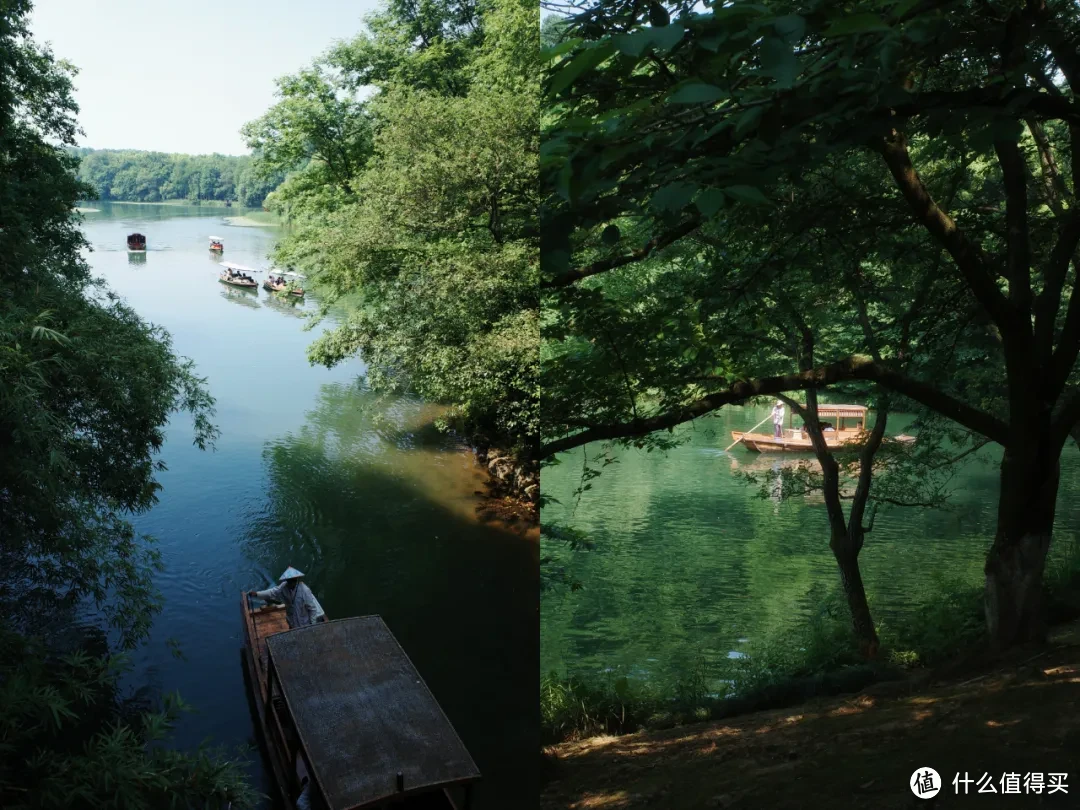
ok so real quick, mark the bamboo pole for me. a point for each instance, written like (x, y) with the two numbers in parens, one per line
(755, 427)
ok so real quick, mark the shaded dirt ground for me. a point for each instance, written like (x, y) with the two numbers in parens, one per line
(1018, 716)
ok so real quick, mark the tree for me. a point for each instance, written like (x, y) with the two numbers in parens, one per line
(136, 176)
(669, 122)
(430, 239)
(86, 388)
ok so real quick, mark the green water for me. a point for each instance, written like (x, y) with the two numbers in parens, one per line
(690, 566)
(361, 493)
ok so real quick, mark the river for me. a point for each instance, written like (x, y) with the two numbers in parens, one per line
(360, 492)
(690, 567)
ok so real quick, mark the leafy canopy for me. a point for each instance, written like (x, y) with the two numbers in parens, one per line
(86, 388)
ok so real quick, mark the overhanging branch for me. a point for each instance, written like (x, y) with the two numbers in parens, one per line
(850, 368)
(604, 265)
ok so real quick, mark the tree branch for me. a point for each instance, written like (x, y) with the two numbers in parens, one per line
(1018, 261)
(604, 265)
(850, 368)
(968, 257)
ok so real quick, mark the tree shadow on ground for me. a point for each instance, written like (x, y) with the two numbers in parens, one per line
(859, 752)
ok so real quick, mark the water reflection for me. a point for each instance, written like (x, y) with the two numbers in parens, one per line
(381, 531)
(136, 258)
(238, 295)
(290, 305)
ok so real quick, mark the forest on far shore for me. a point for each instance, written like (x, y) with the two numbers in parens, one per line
(136, 176)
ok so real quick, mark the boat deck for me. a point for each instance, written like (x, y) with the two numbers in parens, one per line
(793, 442)
(265, 622)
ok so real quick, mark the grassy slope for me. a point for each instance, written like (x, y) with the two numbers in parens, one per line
(857, 752)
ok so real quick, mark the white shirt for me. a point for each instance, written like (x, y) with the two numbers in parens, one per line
(301, 606)
(778, 414)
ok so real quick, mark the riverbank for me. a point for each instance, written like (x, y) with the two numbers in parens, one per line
(255, 219)
(196, 203)
(1016, 716)
(513, 485)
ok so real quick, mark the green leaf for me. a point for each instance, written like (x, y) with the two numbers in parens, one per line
(583, 62)
(658, 15)
(611, 235)
(902, 8)
(856, 24)
(547, 54)
(666, 38)
(709, 201)
(778, 61)
(674, 196)
(891, 52)
(634, 43)
(696, 93)
(747, 194)
(791, 27)
(748, 121)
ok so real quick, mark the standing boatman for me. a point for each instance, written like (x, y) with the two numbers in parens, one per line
(778, 419)
(301, 607)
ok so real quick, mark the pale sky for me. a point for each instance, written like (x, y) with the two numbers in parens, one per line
(184, 77)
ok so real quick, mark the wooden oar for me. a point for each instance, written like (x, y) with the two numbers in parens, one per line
(755, 427)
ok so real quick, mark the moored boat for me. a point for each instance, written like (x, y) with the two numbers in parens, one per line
(136, 243)
(849, 427)
(346, 718)
(217, 244)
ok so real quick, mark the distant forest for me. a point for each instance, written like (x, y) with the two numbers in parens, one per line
(135, 176)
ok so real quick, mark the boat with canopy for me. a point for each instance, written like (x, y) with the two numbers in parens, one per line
(237, 275)
(348, 722)
(849, 426)
(217, 244)
(281, 281)
(136, 243)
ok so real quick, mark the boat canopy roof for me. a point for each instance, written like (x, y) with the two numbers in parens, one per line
(241, 267)
(842, 410)
(216, 239)
(287, 273)
(364, 715)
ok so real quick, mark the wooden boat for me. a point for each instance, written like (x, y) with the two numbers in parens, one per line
(238, 281)
(217, 244)
(850, 425)
(273, 285)
(238, 276)
(341, 707)
(136, 243)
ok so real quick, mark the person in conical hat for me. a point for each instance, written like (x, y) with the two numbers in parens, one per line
(778, 419)
(301, 606)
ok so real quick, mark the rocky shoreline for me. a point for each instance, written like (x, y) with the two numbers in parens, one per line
(511, 478)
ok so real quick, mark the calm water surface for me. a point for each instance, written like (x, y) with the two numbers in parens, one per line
(358, 491)
(690, 566)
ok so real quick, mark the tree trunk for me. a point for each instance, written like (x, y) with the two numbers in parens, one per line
(1017, 559)
(846, 535)
(846, 551)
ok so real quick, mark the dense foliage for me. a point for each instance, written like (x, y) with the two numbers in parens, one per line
(135, 176)
(787, 196)
(86, 388)
(416, 207)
